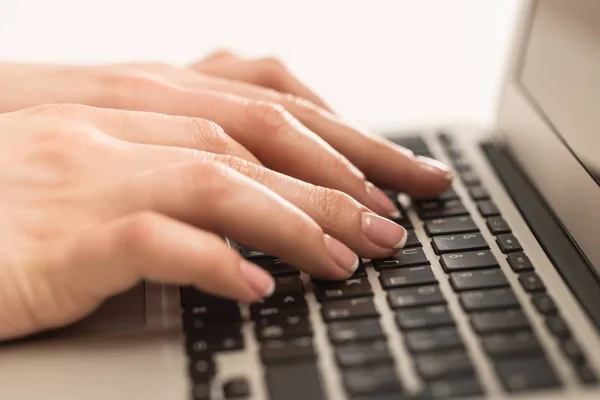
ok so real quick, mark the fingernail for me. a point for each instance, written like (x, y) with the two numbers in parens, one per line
(342, 255)
(435, 166)
(382, 200)
(383, 232)
(260, 281)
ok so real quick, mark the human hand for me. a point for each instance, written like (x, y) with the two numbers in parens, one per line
(91, 206)
(259, 104)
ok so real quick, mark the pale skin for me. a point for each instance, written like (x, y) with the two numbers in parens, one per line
(143, 177)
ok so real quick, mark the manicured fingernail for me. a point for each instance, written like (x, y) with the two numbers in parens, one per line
(342, 255)
(382, 200)
(383, 232)
(436, 167)
(260, 281)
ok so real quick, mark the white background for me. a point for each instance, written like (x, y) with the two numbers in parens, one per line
(393, 63)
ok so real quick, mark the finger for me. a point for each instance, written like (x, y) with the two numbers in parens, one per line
(114, 257)
(166, 130)
(277, 139)
(216, 198)
(337, 213)
(384, 163)
(216, 58)
(268, 72)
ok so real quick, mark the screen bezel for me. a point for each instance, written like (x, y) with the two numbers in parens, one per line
(570, 191)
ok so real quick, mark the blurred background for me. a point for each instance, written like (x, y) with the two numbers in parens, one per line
(382, 64)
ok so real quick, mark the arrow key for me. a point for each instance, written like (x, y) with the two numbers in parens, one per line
(279, 305)
(353, 287)
(282, 327)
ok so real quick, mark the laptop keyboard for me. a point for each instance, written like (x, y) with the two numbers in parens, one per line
(359, 344)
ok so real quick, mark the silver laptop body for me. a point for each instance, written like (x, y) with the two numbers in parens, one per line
(548, 128)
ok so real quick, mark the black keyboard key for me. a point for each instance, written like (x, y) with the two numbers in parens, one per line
(412, 239)
(449, 194)
(202, 369)
(402, 277)
(286, 304)
(469, 178)
(479, 279)
(287, 351)
(295, 382)
(440, 209)
(362, 307)
(275, 266)
(360, 272)
(192, 297)
(415, 297)
(478, 193)
(362, 354)
(487, 208)
(252, 254)
(531, 282)
(497, 225)
(520, 375)
(558, 327)
(470, 260)
(412, 143)
(508, 243)
(288, 284)
(236, 388)
(403, 221)
(510, 345)
(462, 242)
(403, 258)
(443, 365)
(485, 300)
(519, 262)
(216, 341)
(544, 304)
(424, 318)
(573, 352)
(448, 226)
(211, 315)
(428, 341)
(282, 327)
(371, 381)
(354, 287)
(461, 165)
(355, 331)
(453, 388)
(499, 321)
(586, 375)
(201, 391)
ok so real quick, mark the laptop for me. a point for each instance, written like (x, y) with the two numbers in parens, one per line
(495, 296)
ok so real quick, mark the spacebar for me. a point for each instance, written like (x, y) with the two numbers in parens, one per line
(295, 382)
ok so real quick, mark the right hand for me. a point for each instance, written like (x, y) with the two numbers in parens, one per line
(89, 209)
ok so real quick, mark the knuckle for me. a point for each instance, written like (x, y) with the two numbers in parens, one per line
(211, 181)
(122, 89)
(307, 107)
(272, 66)
(207, 135)
(138, 230)
(332, 204)
(272, 72)
(272, 117)
(246, 168)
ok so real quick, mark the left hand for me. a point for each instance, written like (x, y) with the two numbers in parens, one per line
(259, 103)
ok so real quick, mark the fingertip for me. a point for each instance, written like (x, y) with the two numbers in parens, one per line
(344, 258)
(260, 282)
(435, 167)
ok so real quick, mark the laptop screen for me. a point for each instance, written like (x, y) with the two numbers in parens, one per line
(561, 74)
